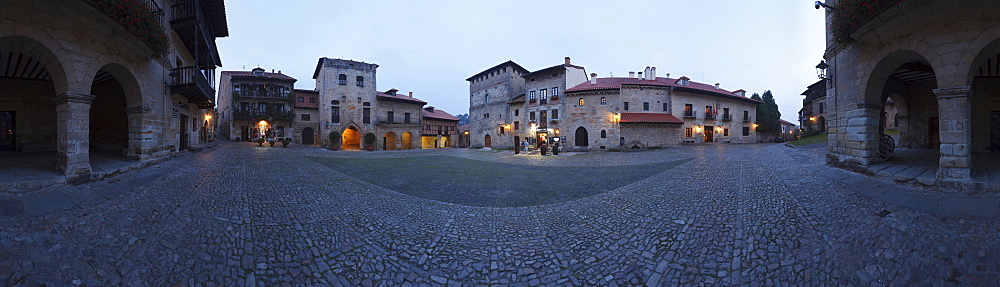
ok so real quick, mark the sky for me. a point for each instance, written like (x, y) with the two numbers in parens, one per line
(431, 47)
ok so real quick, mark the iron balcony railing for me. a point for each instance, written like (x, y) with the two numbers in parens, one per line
(279, 95)
(273, 114)
(690, 114)
(709, 116)
(747, 119)
(727, 117)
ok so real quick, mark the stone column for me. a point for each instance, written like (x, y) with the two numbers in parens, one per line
(140, 142)
(862, 132)
(954, 122)
(73, 133)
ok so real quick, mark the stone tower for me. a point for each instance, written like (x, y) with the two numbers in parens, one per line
(489, 94)
(347, 99)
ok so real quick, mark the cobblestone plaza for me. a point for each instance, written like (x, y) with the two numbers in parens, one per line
(750, 215)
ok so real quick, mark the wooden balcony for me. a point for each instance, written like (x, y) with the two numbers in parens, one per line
(192, 84)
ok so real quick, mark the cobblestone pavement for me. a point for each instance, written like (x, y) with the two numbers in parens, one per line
(756, 215)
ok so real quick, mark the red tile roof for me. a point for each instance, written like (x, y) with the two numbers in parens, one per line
(617, 82)
(431, 112)
(658, 118)
(277, 76)
(399, 97)
(464, 127)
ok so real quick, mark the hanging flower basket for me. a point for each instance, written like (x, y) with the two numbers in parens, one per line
(141, 19)
(852, 14)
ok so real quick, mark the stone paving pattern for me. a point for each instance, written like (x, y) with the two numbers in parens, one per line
(753, 215)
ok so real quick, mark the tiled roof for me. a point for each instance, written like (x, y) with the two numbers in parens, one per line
(659, 118)
(277, 76)
(504, 64)
(617, 82)
(437, 114)
(463, 127)
(398, 97)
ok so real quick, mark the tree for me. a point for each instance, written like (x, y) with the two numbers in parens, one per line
(767, 113)
(463, 119)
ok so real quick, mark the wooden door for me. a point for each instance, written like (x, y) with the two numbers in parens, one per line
(709, 134)
(184, 133)
(307, 136)
(489, 143)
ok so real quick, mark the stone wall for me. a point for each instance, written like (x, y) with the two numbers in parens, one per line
(485, 116)
(719, 126)
(299, 125)
(351, 97)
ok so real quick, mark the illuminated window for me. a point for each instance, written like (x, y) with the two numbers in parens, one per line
(581, 102)
(688, 132)
(604, 101)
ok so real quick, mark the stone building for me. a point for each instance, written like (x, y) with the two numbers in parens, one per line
(255, 104)
(351, 107)
(440, 129)
(646, 111)
(812, 117)
(306, 122)
(937, 61)
(510, 106)
(490, 91)
(77, 83)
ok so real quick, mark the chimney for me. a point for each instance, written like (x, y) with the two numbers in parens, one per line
(648, 72)
(631, 74)
(640, 76)
(567, 61)
(279, 71)
(652, 73)
(668, 75)
(593, 78)
(716, 85)
(411, 94)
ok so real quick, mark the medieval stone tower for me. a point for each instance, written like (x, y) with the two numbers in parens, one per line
(347, 99)
(489, 94)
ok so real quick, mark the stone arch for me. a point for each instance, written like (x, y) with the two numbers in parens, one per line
(580, 138)
(53, 67)
(407, 140)
(109, 122)
(881, 72)
(487, 141)
(389, 141)
(351, 138)
(308, 136)
(984, 99)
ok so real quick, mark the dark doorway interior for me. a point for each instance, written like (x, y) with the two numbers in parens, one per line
(7, 132)
(933, 135)
(307, 136)
(709, 134)
(184, 135)
(995, 131)
(581, 137)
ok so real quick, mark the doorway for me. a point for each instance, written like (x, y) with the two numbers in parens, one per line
(709, 134)
(7, 134)
(307, 136)
(488, 142)
(184, 136)
(933, 135)
(995, 131)
(352, 139)
(581, 138)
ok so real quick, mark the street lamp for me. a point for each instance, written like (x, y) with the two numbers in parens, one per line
(821, 70)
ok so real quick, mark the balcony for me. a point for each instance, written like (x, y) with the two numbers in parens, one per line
(269, 114)
(396, 121)
(269, 95)
(196, 29)
(192, 84)
(690, 114)
(747, 119)
(727, 117)
(709, 116)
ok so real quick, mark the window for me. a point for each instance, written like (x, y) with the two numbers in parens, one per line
(725, 132)
(486, 98)
(517, 112)
(626, 106)
(390, 116)
(361, 81)
(312, 100)
(366, 116)
(688, 132)
(725, 113)
(531, 95)
(406, 118)
(342, 79)
(581, 102)
(531, 115)
(821, 108)
(301, 100)
(335, 114)
(604, 101)
(305, 117)
(517, 126)
(501, 130)
(555, 91)
(543, 97)
(666, 107)
(604, 134)
(645, 106)
(555, 114)
(746, 131)
(746, 116)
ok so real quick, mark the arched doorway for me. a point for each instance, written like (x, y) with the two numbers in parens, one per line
(407, 140)
(909, 81)
(487, 142)
(984, 122)
(581, 138)
(351, 139)
(32, 79)
(389, 141)
(108, 120)
(308, 136)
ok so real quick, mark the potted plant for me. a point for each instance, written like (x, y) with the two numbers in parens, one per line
(270, 142)
(260, 141)
(285, 142)
(370, 141)
(334, 140)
